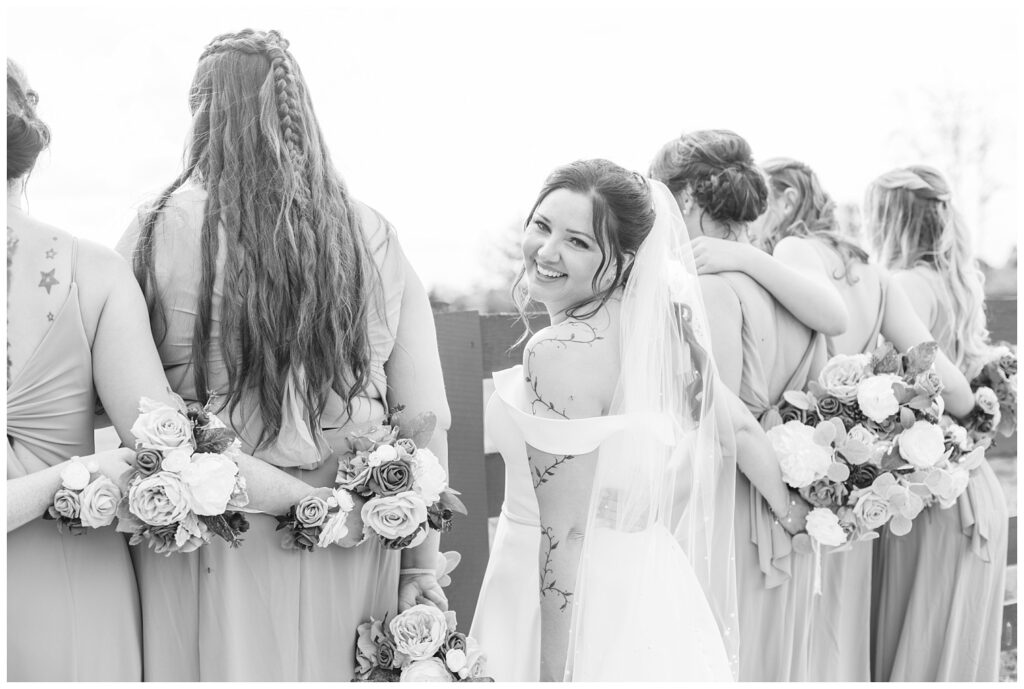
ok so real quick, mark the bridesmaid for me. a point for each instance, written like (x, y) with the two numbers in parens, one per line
(75, 328)
(761, 351)
(939, 588)
(800, 219)
(292, 307)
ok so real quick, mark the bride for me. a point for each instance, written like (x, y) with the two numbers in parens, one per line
(620, 453)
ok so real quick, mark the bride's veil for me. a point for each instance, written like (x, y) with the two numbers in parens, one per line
(669, 479)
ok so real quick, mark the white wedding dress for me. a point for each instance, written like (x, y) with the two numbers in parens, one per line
(667, 632)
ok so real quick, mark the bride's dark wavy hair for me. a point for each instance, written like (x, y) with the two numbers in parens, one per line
(296, 273)
(623, 215)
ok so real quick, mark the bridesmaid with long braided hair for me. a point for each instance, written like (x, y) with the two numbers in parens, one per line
(290, 308)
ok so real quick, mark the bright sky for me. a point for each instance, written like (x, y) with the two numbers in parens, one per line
(447, 116)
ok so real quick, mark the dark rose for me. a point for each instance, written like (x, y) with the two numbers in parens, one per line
(386, 653)
(824, 493)
(885, 429)
(851, 414)
(456, 641)
(148, 461)
(391, 478)
(862, 475)
(790, 413)
(829, 406)
(238, 522)
(306, 539)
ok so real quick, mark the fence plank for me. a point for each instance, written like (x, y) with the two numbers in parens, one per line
(458, 341)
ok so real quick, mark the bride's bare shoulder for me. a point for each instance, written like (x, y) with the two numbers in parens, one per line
(572, 366)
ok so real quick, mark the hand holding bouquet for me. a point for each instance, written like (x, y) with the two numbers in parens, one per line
(418, 645)
(405, 485)
(184, 480)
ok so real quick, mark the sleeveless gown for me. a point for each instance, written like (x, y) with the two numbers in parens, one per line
(775, 584)
(841, 624)
(260, 612)
(939, 589)
(72, 601)
(507, 621)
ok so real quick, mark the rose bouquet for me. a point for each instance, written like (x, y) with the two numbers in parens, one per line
(81, 503)
(995, 409)
(184, 480)
(418, 645)
(317, 521)
(405, 485)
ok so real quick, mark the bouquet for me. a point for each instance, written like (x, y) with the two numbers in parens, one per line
(80, 503)
(405, 485)
(184, 480)
(317, 521)
(418, 645)
(995, 396)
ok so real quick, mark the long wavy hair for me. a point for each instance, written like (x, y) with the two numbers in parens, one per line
(623, 215)
(911, 221)
(296, 273)
(716, 166)
(813, 216)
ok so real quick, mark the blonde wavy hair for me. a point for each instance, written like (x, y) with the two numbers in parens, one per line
(813, 216)
(911, 221)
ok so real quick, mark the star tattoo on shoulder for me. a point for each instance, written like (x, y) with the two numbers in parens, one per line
(48, 279)
(49, 316)
(50, 253)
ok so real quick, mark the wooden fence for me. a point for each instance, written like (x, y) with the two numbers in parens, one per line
(472, 347)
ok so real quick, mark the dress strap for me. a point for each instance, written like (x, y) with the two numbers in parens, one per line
(74, 258)
(799, 376)
(876, 329)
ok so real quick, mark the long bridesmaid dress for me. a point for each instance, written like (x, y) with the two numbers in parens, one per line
(841, 624)
(939, 589)
(775, 583)
(72, 601)
(260, 612)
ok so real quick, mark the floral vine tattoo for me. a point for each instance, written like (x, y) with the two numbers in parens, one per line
(587, 335)
(547, 571)
(541, 477)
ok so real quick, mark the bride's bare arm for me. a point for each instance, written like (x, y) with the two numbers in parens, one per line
(566, 369)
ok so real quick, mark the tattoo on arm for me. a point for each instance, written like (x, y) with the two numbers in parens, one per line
(541, 477)
(548, 572)
(585, 335)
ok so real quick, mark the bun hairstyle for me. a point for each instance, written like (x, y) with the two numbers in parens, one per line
(27, 135)
(716, 166)
(911, 221)
(623, 213)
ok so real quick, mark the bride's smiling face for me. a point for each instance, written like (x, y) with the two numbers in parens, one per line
(560, 252)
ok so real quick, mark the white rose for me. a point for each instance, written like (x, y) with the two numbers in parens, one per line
(876, 396)
(419, 631)
(823, 526)
(176, 460)
(843, 373)
(428, 476)
(382, 455)
(162, 428)
(923, 444)
(210, 479)
(99, 503)
(958, 435)
(74, 475)
(395, 516)
(987, 401)
(427, 670)
(802, 460)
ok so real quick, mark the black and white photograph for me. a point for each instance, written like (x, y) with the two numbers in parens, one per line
(494, 341)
